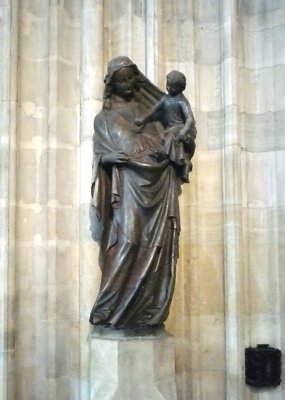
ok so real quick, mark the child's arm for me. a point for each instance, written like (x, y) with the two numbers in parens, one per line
(148, 116)
(189, 120)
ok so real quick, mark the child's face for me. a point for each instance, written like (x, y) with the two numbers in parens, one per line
(173, 88)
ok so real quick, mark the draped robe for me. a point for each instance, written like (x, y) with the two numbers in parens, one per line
(137, 212)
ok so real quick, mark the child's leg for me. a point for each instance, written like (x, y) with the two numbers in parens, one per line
(187, 168)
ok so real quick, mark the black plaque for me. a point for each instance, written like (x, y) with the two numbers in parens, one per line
(262, 366)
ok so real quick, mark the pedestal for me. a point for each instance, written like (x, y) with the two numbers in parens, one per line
(132, 368)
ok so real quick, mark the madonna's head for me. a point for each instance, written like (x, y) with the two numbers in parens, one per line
(121, 79)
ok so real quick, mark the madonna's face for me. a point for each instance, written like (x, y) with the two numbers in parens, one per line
(124, 83)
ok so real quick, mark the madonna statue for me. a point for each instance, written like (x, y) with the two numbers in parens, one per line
(135, 189)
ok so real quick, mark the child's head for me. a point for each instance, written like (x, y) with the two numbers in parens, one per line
(175, 82)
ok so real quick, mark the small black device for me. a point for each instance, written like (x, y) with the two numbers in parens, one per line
(262, 366)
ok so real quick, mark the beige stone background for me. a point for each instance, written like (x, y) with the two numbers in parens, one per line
(230, 276)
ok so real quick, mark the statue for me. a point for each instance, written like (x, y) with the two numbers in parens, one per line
(141, 159)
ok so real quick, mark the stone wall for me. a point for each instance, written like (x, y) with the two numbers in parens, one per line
(230, 275)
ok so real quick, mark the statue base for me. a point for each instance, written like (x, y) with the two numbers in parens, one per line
(136, 367)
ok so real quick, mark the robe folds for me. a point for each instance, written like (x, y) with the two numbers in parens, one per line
(137, 217)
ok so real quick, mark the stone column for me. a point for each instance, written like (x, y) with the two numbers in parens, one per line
(262, 119)
(232, 199)
(47, 263)
(5, 14)
(8, 123)
(31, 306)
(92, 76)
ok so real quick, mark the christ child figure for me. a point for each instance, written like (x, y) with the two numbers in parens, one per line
(174, 112)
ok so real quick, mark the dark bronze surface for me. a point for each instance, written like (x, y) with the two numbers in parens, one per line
(135, 189)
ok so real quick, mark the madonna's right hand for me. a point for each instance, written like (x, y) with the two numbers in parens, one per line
(115, 158)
